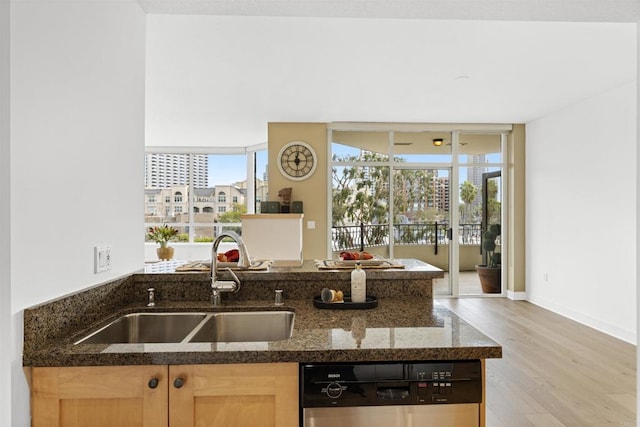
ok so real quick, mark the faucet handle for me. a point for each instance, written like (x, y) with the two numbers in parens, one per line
(152, 297)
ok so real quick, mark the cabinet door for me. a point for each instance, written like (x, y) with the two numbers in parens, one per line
(234, 395)
(100, 396)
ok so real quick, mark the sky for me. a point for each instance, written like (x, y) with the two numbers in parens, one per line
(225, 169)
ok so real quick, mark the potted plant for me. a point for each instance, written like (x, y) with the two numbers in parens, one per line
(163, 235)
(491, 273)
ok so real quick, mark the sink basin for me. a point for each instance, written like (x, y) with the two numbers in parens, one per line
(146, 328)
(246, 326)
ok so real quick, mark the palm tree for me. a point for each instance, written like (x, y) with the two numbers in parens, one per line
(468, 193)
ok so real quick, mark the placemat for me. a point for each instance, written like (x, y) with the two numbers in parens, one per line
(329, 264)
(206, 266)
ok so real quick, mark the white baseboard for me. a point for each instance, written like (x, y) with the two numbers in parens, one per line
(516, 296)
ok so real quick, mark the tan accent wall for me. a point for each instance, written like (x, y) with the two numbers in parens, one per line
(312, 192)
(516, 210)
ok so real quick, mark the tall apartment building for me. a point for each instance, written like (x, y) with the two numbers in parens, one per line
(440, 192)
(164, 170)
(474, 173)
(474, 176)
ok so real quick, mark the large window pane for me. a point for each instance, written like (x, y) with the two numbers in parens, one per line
(360, 217)
(199, 194)
(477, 213)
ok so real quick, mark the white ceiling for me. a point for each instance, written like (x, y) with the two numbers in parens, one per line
(506, 10)
(218, 71)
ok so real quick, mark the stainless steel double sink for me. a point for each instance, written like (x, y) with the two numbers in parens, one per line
(178, 327)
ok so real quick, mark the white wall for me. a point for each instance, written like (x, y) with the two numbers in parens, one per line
(77, 139)
(5, 225)
(581, 212)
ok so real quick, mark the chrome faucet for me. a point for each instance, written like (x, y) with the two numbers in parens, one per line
(219, 286)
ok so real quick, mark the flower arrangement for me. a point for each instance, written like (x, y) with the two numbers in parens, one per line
(162, 234)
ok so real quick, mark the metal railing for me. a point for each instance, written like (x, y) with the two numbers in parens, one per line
(359, 236)
(356, 236)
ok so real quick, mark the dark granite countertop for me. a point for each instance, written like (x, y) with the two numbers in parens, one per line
(398, 329)
(404, 326)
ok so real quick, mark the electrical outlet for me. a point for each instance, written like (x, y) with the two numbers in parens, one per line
(102, 258)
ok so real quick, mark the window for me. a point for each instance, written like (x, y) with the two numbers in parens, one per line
(418, 193)
(189, 190)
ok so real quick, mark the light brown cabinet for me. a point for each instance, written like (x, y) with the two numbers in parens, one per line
(99, 396)
(160, 395)
(235, 395)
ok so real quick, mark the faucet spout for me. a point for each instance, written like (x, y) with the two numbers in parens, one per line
(218, 286)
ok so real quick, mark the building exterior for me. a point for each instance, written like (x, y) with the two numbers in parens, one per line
(171, 204)
(474, 176)
(163, 170)
(440, 192)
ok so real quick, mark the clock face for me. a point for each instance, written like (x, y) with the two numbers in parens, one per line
(297, 160)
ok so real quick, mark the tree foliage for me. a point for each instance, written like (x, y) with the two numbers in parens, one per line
(361, 192)
(468, 193)
(493, 204)
(234, 214)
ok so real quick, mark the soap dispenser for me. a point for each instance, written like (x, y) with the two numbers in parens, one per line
(358, 284)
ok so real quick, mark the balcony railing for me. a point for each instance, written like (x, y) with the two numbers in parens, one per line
(356, 236)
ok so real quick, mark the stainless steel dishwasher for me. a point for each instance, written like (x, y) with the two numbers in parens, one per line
(393, 394)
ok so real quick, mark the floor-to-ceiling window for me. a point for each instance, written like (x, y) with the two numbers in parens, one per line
(416, 191)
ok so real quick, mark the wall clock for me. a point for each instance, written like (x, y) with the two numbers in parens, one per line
(297, 160)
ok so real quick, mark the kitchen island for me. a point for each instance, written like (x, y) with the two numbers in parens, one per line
(187, 383)
(406, 325)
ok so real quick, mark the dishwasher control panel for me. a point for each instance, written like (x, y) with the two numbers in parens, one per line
(392, 383)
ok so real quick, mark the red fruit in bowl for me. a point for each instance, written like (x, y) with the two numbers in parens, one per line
(232, 255)
(349, 256)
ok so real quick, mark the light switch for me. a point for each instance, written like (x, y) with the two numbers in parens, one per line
(311, 225)
(102, 258)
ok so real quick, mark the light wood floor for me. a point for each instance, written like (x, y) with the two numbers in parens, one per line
(554, 372)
